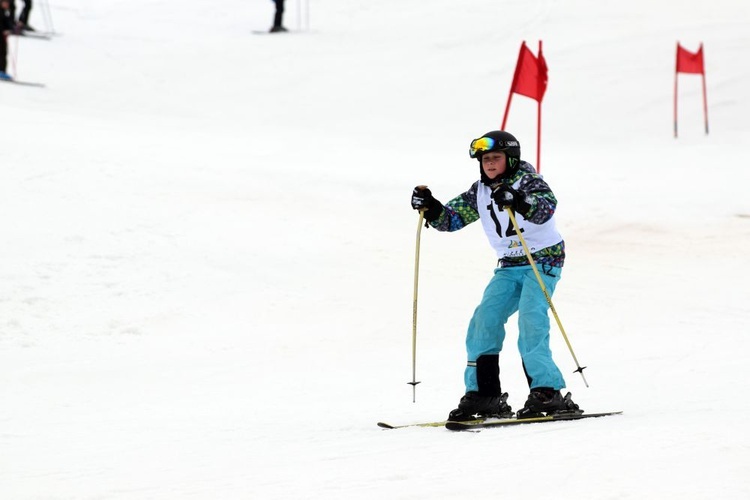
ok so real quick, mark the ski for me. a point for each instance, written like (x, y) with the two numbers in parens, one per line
(484, 424)
(34, 34)
(25, 84)
(442, 423)
(287, 32)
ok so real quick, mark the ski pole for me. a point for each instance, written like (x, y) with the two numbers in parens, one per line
(546, 294)
(47, 14)
(414, 382)
(13, 55)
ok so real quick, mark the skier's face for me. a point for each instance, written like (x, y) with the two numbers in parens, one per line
(493, 164)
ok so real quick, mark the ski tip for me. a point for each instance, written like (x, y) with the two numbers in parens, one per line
(383, 425)
(601, 414)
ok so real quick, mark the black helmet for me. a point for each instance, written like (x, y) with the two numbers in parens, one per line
(496, 140)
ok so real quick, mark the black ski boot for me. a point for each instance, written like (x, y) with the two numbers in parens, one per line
(473, 406)
(545, 401)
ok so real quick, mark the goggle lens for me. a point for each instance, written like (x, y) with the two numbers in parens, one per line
(480, 145)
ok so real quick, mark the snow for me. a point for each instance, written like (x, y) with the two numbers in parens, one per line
(206, 280)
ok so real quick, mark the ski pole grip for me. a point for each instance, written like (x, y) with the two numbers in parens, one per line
(422, 186)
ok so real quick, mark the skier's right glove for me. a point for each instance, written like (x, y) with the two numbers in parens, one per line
(506, 196)
(422, 200)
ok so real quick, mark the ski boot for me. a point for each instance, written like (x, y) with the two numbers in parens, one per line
(473, 406)
(543, 401)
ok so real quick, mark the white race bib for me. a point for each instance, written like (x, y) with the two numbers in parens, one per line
(499, 229)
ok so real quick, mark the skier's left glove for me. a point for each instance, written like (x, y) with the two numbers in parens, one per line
(506, 196)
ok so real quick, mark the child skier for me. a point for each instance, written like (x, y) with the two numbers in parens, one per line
(507, 181)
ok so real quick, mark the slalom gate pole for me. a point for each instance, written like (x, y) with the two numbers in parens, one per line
(14, 55)
(47, 14)
(675, 101)
(546, 294)
(299, 15)
(414, 382)
(307, 15)
(705, 100)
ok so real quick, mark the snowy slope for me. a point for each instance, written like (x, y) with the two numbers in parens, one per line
(206, 280)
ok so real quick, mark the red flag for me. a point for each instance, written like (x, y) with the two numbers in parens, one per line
(687, 62)
(530, 78)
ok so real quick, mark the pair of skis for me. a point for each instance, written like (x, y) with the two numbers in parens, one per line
(497, 422)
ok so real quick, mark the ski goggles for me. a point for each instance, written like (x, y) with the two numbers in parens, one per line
(484, 144)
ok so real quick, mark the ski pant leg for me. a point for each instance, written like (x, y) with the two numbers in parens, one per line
(3, 53)
(534, 326)
(486, 331)
(24, 17)
(279, 13)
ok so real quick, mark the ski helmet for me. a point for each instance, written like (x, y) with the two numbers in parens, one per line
(496, 140)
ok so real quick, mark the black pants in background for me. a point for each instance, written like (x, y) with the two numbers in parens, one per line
(3, 53)
(279, 13)
(24, 17)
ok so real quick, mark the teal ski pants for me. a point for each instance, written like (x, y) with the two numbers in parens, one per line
(514, 289)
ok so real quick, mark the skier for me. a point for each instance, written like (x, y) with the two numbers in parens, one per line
(6, 27)
(507, 181)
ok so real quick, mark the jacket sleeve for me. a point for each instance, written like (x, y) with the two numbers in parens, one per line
(540, 198)
(459, 212)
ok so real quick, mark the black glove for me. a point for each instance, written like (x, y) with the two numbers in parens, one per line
(422, 199)
(506, 196)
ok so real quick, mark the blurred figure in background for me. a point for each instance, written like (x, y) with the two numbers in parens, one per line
(23, 19)
(277, 24)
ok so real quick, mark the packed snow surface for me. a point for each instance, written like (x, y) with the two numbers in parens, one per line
(206, 279)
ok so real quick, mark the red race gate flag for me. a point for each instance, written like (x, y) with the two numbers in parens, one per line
(530, 80)
(689, 62)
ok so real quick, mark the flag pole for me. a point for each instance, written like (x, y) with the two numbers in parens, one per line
(705, 105)
(507, 108)
(539, 137)
(705, 101)
(512, 85)
(675, 89)
(539, 122)
(299, 15)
